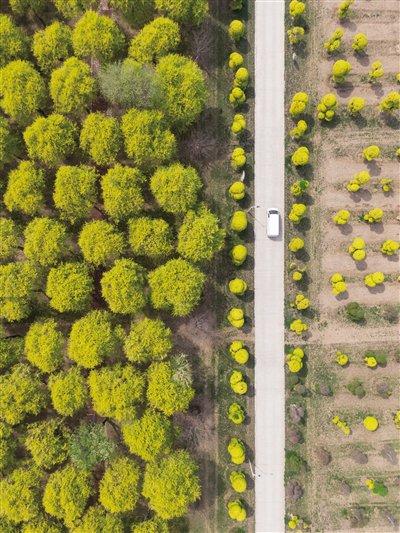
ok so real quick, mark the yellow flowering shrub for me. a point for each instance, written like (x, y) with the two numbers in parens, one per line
(341, 217)
(374, 279)
(237, 382)
(296, 244)
(342, 359)
(237, 451)
(237, 190)
(236, 317)
(239, 353)
(371, 423)
(298, 327)
(342, 425)
(239, 254)
(338, 284)
(357, 249)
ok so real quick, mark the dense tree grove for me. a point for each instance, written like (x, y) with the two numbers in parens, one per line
(104, 239)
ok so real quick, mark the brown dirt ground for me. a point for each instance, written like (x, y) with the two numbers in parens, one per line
(336, 157)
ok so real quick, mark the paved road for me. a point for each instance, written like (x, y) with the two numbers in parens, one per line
(269, 268)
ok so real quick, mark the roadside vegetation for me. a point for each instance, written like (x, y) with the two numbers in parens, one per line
(342, 311)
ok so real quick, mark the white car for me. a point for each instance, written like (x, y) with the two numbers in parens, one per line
(273, 222)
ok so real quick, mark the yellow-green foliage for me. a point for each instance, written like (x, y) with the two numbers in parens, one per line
(176, 187)
(100, 242)
(298, 104)
(66, 494)
(116, 390)
(171, 484)
(299, 130)
(236, 317)
(43, 345)
(75, 192)
(390, 247)
(239, 221)
(45, 241)
(239, 254)
(18, 281)
(13, 41)
(52, 45)
(338, 284)
(235, 60)
(237, 286)
(8, 446)
(374, 215)
(169, 390)
(296, 8)
(237, 190)
(371, 152)
(238, 158)
(19, 495)
(150, 237)
(301, 156)
(236, 29)
(22, 91)
(119, 486)
(296, 244)
(359, 179)
(51, 139)
(68, 391)
(374, 279)
(122, 193)
(236, 509)
(21, 394)
(154, 525)
(360, 42)
(239, 352)
(148, 140)
(69, 287)
(97, 36)
(148, 340)
(101, 138)
(96, 520)
(334, 42)
(176, 286)
(238, 124)
(237, 382)
(238, 481)
(25, 189)
(390, 102)
(189, 12)
(295, 34)
(343, 9)
(376, 72)
(47, 442)
(326, 107)
(341, 217)
(340, 70)
(122, 287)
(236, 413)
(355, 105)
(154, 40)
(357, 249)
(149, 436)
(92, 339)
(72, 88)
(297, 212)
(200, 236)
(237, 451)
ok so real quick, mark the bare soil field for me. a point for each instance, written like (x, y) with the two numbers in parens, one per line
(335, 496)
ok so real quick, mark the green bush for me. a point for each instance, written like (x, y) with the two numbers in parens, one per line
(355, 312)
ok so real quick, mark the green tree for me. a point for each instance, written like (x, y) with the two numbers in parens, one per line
(123, 287)
(18, 281)
(150, 436)
(150, 237)
(148, 340)
(13, 41)
(66, 494)
(101, 138)
(122, 193)
(176, 188)
(50, 139)
(72, 88)
(44, 345)
(69, 287)
(23, 91)
(21, 394)
(153, 525)
(130, 84)
(176, 286)
(89, 446)
(9, 238)
(75, 192)
(47, 442)
(42, 525)
(45, 241)
(8, 143)
(19, 495)
(52, 45)
(8, 446)
(148, 140)
(172, 484)
(68, 391)
(156, 39)
(11, 350)
(100, 242)
(92, 339)
(168, 391)
(186, 11)
(97, 520)
(25, 189)
(184, 91)
(73, 8)
(23, 7)
(116, 390)
(97, 36)
(200, 235)
(119, 486)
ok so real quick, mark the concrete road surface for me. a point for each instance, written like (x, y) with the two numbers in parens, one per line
(269, 268)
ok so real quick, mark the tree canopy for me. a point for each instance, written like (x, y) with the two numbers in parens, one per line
(155, 39)
(9, 238)
(100, 242)
(69, 287)
(52, 45)
(50, 139)
(45, 241)
(122, 192)
(101, 138)
(92, 339)
(96, 519)
(97, 36)
(22, 91)
(47, 442)
(148, 140)
(187, 11)
(119, 486)
(148, 340)
(150, 237)
(13, 41)
(176, 286)
(72, 88)
(44, 344)
(123, 287)
(68, 391)
(75, 191)
(19, 495)
(18, 281)
(25, 189)
(171, 484)
(176, 187)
